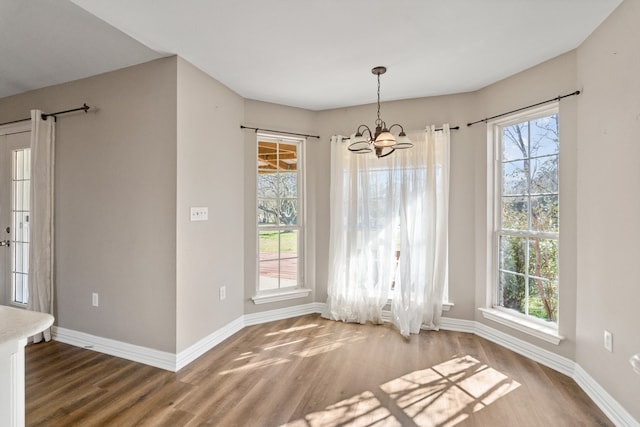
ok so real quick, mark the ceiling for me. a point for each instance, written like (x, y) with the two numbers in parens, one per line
(310, 54)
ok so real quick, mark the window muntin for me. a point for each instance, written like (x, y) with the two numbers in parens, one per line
(527, 215)
(279, 213)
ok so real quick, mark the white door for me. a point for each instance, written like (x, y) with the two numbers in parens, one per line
(15, 172)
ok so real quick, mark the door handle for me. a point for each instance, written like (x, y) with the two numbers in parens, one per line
(5, 242)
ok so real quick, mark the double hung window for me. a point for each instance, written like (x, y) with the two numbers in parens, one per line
(280, 219)
(526, 215)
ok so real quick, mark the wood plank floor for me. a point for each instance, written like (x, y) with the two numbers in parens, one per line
(305, 372)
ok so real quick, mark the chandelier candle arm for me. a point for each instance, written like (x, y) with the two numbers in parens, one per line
(383, 142)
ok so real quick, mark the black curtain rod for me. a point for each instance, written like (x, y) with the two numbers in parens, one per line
(44, 116)
(279, 131)
(557, 98)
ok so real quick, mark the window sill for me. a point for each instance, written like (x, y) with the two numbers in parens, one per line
(535, 329)
(280, 296)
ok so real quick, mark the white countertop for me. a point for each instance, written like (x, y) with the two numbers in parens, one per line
(16, 323)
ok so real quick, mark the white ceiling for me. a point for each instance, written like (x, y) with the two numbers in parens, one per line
(310, 54)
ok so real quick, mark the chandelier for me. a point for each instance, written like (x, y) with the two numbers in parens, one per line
(381, 141)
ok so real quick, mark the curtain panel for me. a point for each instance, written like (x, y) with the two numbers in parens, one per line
(388, 233)
(41, 218)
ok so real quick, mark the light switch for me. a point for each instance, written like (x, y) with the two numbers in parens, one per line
(199, 214)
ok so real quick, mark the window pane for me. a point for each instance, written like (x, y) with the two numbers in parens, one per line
(515, 142)
(287, 157)
(267, 212)
(544, 213)
(515, 212)
(267, 185)
(288, 211)
(544, 136)
(544, 175)
(514, 178)
(268, 245)
(289, 244)
(288, 184)
(269, 273)
(512, 254)
(267, 156)
(543, 299)
(20, 288)
(21, 226)
(543, 255)
(511, 291)
(288, 272)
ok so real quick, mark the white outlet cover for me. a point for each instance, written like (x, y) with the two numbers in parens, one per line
(608, 341)
(200, 213)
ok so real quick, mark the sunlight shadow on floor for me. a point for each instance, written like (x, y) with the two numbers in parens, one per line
(443, 395)
(290, 330)
(256, 365)
(361, 410)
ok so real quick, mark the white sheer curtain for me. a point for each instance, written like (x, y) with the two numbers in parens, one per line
(382, 208)
(41, 218)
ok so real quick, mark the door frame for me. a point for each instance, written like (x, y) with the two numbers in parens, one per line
(5, 260)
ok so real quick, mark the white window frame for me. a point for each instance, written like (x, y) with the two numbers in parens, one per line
(299, 291)
(544, 330)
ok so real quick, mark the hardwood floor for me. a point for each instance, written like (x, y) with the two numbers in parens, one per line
(304, 372)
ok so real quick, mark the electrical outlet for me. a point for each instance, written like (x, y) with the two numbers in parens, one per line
(94, 299)
(608, 341)
(223, 292)
(199, 214)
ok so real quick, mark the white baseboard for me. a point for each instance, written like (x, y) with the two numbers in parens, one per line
(544, 357)
(611, 408)
(172, 362)
(148, 356)
(282, 313)
(457, 325)
(207, 343)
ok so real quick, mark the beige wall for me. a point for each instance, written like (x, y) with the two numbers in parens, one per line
(210, 172)
(115, 201)
(608, 203)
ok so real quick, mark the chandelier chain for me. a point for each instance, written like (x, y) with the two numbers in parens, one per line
(379, 120)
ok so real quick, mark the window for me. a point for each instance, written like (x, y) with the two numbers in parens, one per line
(20, 186)
(526, 215)
(280, 219)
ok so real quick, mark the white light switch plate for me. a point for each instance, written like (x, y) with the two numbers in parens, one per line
(200, 214)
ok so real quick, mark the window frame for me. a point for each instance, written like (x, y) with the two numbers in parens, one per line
(543, 329)
(299, 290)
